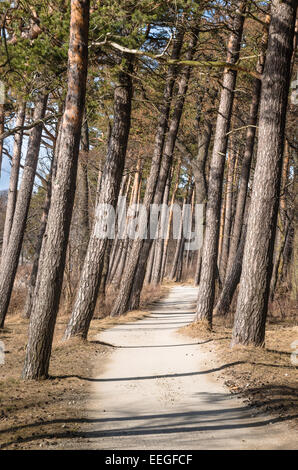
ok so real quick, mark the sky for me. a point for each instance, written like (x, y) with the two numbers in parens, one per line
(5, 172)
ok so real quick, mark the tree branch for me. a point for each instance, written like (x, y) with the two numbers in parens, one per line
(28, 127)
(191, 63)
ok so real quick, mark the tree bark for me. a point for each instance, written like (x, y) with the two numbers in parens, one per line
(294, 264)
(228, 214)
(42, 229)
(247, 157)
(252, 303)
(165, 166)
(232, 280)
(52, 259)
(83, 195)
(87, 293)
(156, 271)
(166, 242)
(14, 177)
(206, 291)
(122, 302)
(9, 262)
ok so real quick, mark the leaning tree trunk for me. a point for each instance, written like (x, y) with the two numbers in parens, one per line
(36, 256)
(232, 280)
(156, 269)
(83, 195)
(166, 241)
(165, 166)
(180, 241)
(228, 213)
(14, 176)
(10, 260)
(52, 259)
(247, 157)
(42, 229)
(127, 282)
(252, 303)
(206, 291)
(87, 293)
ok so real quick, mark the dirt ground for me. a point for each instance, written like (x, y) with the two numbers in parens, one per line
(160, 389)
(39, 415)
(52, 414)
(266, 378)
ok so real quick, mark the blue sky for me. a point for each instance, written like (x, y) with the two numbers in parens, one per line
(4, 180)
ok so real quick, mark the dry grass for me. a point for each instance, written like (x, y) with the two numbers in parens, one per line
(43, 414)
(265, 377)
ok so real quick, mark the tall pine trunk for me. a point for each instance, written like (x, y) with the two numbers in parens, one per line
(14, 176)
(121, 304)
(252, 303)
(228, 213)
(52, 259)
(206, 291)
(87, 293)
(36, 256)
(165, 166)
(247, 157)
(10, 260)
(83, 195)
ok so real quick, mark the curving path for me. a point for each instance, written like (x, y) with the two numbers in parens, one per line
(157, 391)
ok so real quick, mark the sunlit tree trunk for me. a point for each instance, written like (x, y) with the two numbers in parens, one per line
(87, 292)
(206, 291)
(121, 304)
(247, 157)
(53, 252)
(252, 302)
(10, 260)
(14, 176)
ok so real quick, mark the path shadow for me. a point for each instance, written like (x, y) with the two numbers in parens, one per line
(224, 419)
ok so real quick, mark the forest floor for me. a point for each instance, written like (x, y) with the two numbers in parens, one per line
(168, 387)
(266, 378)
(153, 382)
(41, 415)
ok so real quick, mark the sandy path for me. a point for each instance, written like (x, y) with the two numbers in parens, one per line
(157, 391)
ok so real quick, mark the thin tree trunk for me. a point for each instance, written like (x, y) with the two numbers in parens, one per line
(150, 263)
(118, 243)
(52, 259)
(42, 229)
(127, 283)
(87, 293)
(252, 303)
(83, 196)
(222, 223)
(206, 291)
(159, 242)
(247, 157)
(232, 280)
(166, 242)
(127, 242)
(14, 177)
(10, 260)
(165, 166)
(228, 214)
(104, 273)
